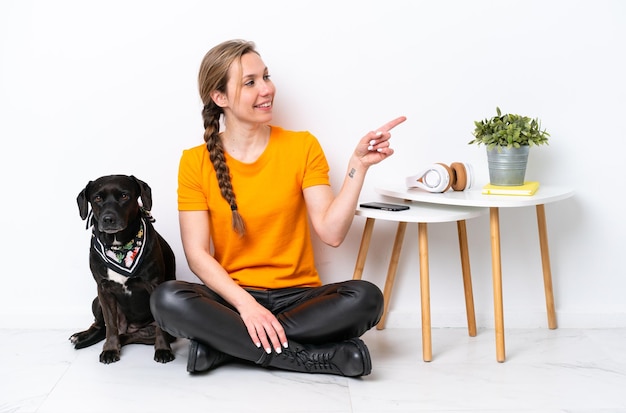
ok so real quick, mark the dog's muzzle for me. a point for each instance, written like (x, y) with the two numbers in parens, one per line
(110, 224)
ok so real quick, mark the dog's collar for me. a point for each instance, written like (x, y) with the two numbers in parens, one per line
(124, 259)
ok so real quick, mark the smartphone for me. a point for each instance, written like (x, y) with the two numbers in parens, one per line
(385, 206)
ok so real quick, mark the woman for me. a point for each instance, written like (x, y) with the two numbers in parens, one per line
(245, 199)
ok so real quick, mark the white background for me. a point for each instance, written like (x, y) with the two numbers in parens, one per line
(96, 88)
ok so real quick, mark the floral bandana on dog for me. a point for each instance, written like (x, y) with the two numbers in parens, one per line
(124, 259)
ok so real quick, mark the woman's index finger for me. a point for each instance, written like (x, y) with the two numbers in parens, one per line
(392, 124)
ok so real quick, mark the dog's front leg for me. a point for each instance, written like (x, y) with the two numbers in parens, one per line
(112, 347)
(162, 350)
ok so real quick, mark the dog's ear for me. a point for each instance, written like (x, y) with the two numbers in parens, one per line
(83, 202)
(146, 193)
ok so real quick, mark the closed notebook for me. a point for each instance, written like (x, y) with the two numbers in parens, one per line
(529, 188)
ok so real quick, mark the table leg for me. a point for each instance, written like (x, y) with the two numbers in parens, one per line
(365, 245)
(427, 350)
(496, 266)
(545, 262)
(467, 278)
(391, 272)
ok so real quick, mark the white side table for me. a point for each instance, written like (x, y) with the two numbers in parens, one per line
(421, 214)
(474, 198)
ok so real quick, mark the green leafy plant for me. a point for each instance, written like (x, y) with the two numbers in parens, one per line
(509, 131)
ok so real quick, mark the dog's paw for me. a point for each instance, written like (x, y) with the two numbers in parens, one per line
(109, 356)
(87, 338)
(163, 356)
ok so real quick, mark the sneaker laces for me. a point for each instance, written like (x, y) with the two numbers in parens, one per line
(311, 362)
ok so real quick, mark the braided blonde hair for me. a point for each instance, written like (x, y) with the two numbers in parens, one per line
(213, 76)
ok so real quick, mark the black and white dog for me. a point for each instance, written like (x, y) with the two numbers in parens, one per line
(128, 259)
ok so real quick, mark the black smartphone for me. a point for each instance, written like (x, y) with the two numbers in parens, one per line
(385, 206)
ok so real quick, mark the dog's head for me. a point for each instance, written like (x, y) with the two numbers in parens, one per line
(114, 201)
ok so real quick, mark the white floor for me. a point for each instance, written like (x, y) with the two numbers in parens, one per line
(562, 370)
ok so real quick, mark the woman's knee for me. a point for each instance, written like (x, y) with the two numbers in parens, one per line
(166, 298)
(368, 296)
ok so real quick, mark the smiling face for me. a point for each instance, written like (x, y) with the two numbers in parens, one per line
(249, 93)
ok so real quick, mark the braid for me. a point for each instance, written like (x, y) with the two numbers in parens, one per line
(213, 77)
(211, 116)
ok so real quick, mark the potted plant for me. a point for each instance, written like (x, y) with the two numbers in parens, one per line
(508, 139)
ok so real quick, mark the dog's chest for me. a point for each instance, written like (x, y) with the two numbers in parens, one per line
(118, 278)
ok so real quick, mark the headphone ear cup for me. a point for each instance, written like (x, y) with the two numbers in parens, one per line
(435, 178)
(459, 176)
(462, 176)
(450, 176)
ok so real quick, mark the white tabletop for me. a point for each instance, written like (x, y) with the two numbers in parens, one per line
(474, 198)
(419, 212)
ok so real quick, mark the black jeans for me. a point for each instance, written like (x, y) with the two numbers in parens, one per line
(310, 315)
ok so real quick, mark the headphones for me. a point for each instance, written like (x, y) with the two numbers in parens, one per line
(440, 177)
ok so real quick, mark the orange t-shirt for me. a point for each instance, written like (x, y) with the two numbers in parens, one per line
(276, 251)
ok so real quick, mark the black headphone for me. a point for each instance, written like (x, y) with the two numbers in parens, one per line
(440, 177)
